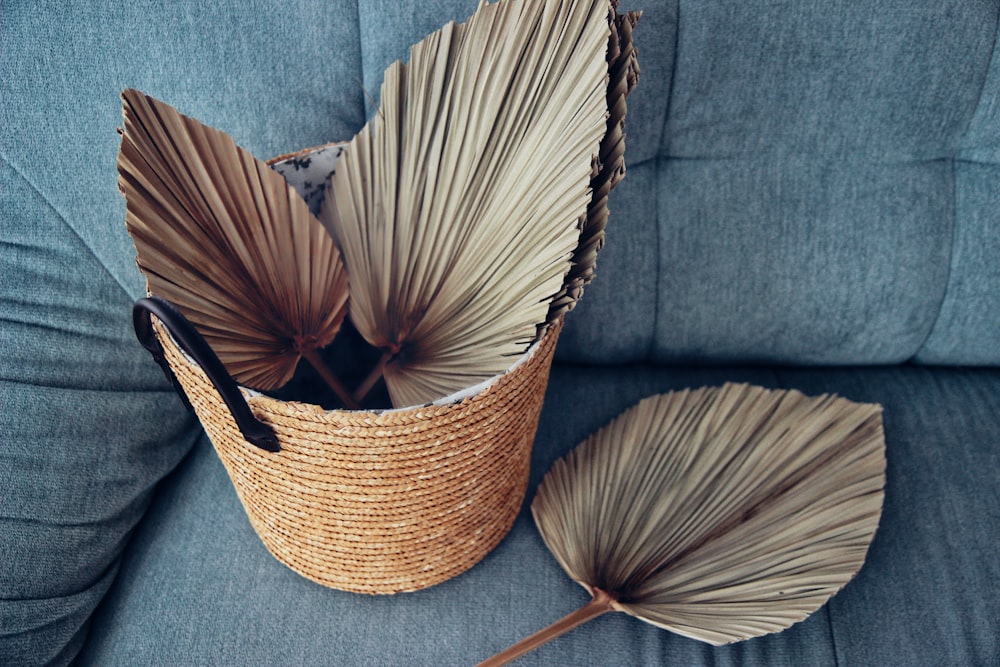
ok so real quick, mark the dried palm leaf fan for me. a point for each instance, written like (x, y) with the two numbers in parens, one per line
(230, 244)
(719, 514)
(457, 206)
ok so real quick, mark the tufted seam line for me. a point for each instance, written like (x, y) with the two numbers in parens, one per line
(993, 60)
(955, 159)
(951, 263)
(651, 349)
(365, 95)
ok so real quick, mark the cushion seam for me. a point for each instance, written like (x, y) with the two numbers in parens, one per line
(922, 347)
(62, 218)
(955, 159)
(657, 222)
(962, 143)
(366, 97)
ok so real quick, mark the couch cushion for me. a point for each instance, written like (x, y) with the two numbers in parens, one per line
(198, 587)
(277, 80)
(967, 329)
(823, 188)
(88, 423)
(798, 260)
(88, 428)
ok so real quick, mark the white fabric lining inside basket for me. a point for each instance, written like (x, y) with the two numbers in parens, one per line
(308, 171)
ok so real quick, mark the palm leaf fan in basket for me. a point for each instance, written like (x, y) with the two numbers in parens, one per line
(720, 514)
(457, 206)
(229, 243)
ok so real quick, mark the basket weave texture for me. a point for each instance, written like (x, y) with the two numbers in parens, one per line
(381, 502)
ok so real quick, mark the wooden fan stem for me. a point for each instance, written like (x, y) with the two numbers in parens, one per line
(316, 361)
(600, 604)
(373, 377)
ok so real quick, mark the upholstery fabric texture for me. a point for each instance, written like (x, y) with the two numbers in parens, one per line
(87, 427)
(917, 600)
(812, 200)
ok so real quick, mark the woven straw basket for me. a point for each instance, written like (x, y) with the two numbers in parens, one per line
(378, 502)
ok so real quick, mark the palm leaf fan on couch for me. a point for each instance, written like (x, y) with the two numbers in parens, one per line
(720, 514)
(229, 243)
(457, 206)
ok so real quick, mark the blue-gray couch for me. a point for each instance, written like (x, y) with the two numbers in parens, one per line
(812, 201)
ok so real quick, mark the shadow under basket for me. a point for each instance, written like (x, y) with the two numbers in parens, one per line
(379, 502)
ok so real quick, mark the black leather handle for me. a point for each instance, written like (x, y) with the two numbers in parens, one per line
(255, 431)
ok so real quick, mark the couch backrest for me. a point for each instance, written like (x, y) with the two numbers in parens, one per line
(807, 182)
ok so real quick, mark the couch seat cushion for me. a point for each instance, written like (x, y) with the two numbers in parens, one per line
(198, 587)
